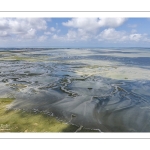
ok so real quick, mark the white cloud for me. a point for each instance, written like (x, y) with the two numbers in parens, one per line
(79, 29)
(133, 31)
(139, 37)
(145, 37)
(111, 22)
(56, 37)
(87, 28)
(88, 24)
(21, 27)
(80, 34)
(23, 24)
(92, 24)
(52, 29)
(42, 38)
(136, 37)
(30, 34)
(107, 35)
(3, 24)
(59, 38)
(111, 34)
(4, 34)
(47, 33)
(73, 35)
(37, 23)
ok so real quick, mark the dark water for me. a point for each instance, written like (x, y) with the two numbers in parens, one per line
(105, 89)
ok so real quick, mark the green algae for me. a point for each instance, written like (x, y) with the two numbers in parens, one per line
(22, 121)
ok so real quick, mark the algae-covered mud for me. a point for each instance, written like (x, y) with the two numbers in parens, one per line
(30, 121)
(103, 89)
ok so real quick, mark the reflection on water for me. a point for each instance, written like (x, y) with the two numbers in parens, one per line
(105, 89)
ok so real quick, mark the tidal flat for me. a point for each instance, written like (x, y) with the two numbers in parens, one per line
(23, 121)
(98, 89)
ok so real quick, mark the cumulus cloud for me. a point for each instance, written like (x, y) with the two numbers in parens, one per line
(4, 34)
(107, 35)
(60, 38)
(111, 22)
(139, 37)
(21, 27)
(146, 39)
(47, 33)
(52, 29)
(42, 38)
(22, 24)
(133, 31)
(73, 35)
(136, 37)
(55, 36)
(113, 35)
(87, 28)
(29, 34)
(79, 29)
(88, 24)
(92, 24)
(80, 34)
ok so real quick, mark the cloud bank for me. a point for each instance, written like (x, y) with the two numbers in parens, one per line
(40, 30)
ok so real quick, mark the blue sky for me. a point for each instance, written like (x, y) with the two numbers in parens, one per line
(74, 32)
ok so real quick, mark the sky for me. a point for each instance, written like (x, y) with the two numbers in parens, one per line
(74, 32)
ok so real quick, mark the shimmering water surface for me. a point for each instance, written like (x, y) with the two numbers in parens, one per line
(104, 89)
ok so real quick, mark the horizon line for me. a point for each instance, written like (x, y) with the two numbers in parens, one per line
(69, 47)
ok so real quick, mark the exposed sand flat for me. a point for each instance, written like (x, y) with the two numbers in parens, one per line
(116, 72)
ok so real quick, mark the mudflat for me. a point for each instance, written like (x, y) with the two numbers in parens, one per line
(103, 89)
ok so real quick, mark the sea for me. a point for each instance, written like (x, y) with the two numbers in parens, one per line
(104, 89)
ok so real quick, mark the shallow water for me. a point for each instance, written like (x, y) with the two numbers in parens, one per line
(104, 89)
